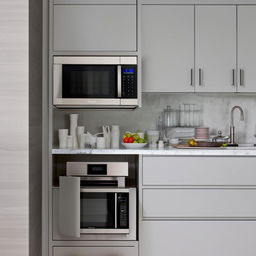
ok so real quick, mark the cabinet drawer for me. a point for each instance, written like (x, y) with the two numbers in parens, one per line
(199, 203)
(199, 171)
(199, 238)
(95, 251)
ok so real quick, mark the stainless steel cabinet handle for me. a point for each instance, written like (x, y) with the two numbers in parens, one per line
(241, 71)
(191, 76)
(233, 77)
(200, 76)
(119, 81)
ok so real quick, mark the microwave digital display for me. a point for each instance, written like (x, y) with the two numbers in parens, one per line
(128, 70)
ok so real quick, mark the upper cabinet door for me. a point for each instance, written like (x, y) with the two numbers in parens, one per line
(246, 21)
(215, 48)
(167, 48)
(78, 28)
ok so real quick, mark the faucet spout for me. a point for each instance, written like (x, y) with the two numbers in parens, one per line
(232, 126)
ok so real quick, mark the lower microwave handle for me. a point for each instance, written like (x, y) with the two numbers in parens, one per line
(115, 210)
(119, 81)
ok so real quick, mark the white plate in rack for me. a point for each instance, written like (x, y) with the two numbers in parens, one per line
(134, 145)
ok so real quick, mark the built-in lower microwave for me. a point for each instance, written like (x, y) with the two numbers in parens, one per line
(96, 211)
(95, 82)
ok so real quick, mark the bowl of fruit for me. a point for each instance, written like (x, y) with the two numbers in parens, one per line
(134, 140)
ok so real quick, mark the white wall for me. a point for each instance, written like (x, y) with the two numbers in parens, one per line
(14, 159)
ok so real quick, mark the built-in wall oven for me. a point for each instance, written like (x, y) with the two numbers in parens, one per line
(95, 204)
(95, 81)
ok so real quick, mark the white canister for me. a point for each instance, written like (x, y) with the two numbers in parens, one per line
(115, 136)
(160, 144)
(100, 143)
(70, 141)
(63, 133)
(79, 132)
(82, 140)
(73, 128)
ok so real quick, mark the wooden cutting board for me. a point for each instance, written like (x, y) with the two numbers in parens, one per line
(200, 145)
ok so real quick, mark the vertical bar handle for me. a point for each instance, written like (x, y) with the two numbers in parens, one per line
(233, 77)
(119, 81)
(191, 76)
(200, 76)
(115, 210)
(241, 77)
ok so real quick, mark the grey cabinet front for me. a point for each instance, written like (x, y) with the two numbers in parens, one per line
(246, 48)
(79, 28)
(167, 48)
(215, 48)
(96, 251)
(193, 238)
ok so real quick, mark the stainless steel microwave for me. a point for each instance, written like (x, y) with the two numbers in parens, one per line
(95, 82)
(96, 213)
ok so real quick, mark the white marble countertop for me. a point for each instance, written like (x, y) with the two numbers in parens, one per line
(246, 151)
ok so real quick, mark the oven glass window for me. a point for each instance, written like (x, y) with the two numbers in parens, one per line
(97, 210)
(89, 81)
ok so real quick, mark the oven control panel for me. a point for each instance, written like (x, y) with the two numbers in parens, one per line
(123, 210)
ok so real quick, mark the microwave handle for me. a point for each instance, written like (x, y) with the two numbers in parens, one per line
(119, 81)
(116, 210)
(69, 206)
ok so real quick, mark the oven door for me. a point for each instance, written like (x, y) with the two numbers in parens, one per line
(95, 211)
(100, 211)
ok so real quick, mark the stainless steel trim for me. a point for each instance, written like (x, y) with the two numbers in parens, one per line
(94, 60)
(200, 76)
(241, 77)
(233, 77)
(86, 102)
(104, 190)
(119, 169)
(128, 60)
(119, 81)
(88, 60)
(57, 83)
(115, 210)
(129, 102)
(104, 231)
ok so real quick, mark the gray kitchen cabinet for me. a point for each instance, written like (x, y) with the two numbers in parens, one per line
(82, 28)
(246, 17)
(199, 203)
(198, 206)
(198, 238)
(167, 48)
(96, 251)
(199, 171)
(215, 48)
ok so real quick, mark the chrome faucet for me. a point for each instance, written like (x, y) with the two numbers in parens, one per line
(232, 126)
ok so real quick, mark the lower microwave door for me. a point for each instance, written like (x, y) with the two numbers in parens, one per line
(90, 214)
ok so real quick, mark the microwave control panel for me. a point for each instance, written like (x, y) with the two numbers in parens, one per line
(129, 81)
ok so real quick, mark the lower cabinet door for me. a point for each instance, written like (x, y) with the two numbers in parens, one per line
(198, 238)
(95, 251)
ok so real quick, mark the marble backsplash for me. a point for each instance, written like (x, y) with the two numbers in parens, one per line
(215, 114)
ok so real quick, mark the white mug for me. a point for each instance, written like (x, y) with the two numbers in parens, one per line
(100, 143)
(63, 133)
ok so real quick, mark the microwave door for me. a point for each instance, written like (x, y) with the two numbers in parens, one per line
(69, 206)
